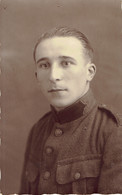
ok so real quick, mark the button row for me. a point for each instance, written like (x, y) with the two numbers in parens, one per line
(49, 150)
(58, 132)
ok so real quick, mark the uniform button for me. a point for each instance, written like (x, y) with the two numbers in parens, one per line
(49, 150)
(58, 132)
(46, 175)
(77, 176)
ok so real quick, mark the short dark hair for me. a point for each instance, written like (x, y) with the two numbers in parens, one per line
(68, 32)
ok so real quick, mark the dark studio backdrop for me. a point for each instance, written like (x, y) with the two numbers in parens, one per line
(21, 23)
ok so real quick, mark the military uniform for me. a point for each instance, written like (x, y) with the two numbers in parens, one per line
(76, 150)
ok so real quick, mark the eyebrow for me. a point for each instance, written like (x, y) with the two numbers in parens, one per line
(42, 59)
(67, 58)
(60, 57)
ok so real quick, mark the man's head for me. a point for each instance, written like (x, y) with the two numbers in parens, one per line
(64, 66)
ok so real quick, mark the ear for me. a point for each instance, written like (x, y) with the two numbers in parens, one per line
(91, 71)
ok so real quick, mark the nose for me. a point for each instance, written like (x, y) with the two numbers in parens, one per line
(55, 73)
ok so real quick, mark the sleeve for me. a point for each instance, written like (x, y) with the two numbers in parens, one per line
(110, 180)
(24, 185)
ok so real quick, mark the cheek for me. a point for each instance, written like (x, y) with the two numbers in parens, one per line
(78, 77)
(41, 77)
(42, 82)
(43, 85)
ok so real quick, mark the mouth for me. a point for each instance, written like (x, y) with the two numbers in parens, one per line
(56, 90)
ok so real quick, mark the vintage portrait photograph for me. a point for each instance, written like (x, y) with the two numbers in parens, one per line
(61, 97)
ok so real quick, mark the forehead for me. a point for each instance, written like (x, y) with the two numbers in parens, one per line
(59, 46)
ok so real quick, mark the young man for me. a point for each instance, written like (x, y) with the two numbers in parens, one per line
(77, 146)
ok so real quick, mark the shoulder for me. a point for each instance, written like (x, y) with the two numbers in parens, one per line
(39, 127)
(44, 119)
(40, 124)
(111, 113)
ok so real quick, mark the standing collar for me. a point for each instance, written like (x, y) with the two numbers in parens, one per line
(76, 110)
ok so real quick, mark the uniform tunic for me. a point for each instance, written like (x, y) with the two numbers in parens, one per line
(76, 150)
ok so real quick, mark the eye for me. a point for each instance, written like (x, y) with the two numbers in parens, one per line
(44, 65)
(66, 63)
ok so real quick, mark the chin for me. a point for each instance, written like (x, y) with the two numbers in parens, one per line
(61, 104)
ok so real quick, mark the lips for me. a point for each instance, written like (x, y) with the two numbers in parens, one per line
(56, 90)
